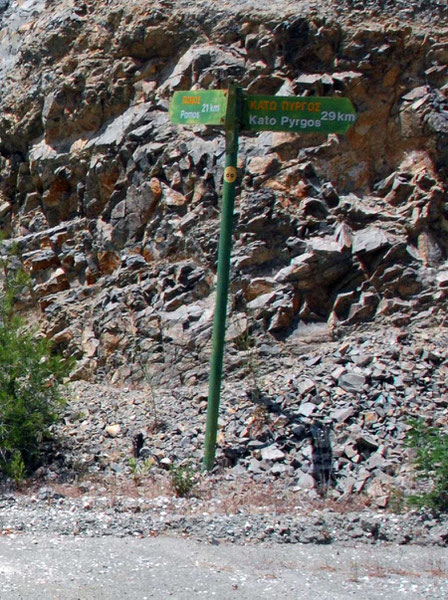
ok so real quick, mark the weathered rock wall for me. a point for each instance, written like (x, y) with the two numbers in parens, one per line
(116, 211)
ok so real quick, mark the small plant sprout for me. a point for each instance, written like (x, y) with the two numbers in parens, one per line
(140, 469)
(183, 479)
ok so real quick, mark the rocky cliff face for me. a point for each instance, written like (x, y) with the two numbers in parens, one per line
(116, 211)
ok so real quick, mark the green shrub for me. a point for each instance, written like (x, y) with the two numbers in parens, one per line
(431, 462)
(30, 375)
(183, 479)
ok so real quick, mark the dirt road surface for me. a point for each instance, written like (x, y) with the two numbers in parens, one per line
(108, 568)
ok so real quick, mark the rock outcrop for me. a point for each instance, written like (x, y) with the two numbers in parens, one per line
(116, 211)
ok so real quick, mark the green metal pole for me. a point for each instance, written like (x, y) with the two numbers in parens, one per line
(222, 289)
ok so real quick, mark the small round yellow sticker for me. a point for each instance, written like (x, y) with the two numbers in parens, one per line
(230, 174)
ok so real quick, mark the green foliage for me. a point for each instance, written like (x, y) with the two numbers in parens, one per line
(431, 462)
(183, 479)
(133, 465)
(16, 467)
(29, 382)
(140, 469)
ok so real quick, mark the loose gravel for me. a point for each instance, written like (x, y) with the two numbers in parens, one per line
(68, 568)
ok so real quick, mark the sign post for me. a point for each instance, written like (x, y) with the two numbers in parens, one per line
(237, 111)
(232, 125)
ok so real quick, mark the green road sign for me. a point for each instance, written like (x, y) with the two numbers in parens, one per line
(298, 115)
(200, 107)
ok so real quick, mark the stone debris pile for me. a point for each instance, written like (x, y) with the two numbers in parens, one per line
(331, 421)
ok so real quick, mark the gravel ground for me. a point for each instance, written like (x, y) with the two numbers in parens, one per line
(88, 487)
(113, 513)
(70, 568)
